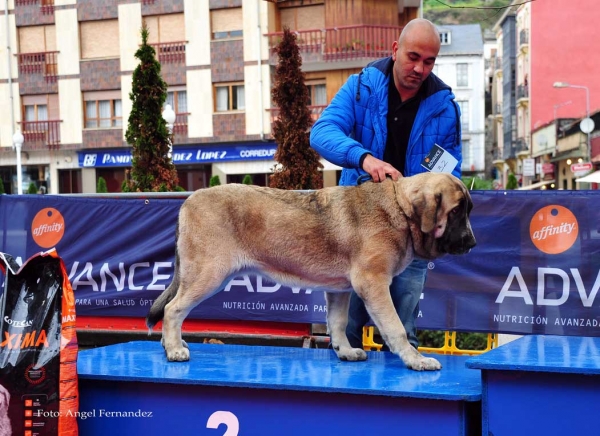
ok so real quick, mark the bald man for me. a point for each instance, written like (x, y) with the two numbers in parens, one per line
(383, 122)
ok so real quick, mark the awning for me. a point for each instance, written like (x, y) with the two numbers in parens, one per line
(536, 185)
(590, 178)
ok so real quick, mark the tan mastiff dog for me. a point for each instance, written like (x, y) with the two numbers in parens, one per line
(333, 239)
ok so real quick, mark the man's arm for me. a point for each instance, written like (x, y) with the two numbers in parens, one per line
(330, 135)
(452, 141)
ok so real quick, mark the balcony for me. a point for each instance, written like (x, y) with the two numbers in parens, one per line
(524, 40)
(517, 149)
(170, 52)
(181, 124)
(315, 112)
(498, 65)
(40, 134)
(44, 63)
(46, 6)
(498, 112)
(522, 95)
(340, 44)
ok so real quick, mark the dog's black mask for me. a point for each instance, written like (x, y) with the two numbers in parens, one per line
(458, 237)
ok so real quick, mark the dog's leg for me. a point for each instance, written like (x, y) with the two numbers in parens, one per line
(337, 319)
(175, 312)
(375, 293)
(192, 291)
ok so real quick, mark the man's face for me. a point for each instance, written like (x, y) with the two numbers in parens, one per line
(414, 58)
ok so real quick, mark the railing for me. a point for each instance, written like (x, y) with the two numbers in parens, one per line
(181, 124)
(520, 145)
(170, 52)
(44, 63)
(497, 63)
(524, 37)
(497, 154)
(341, 43)
(522, 91)
(315, 112)
(47, 132)
(46, 6)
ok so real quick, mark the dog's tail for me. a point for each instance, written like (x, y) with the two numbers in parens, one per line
(157, 311)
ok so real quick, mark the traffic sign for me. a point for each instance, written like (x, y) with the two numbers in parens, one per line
(579, 167)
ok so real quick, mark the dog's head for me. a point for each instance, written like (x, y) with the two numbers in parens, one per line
(441, 205)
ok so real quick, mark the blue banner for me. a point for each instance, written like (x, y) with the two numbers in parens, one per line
(535, 268)
(199, 154)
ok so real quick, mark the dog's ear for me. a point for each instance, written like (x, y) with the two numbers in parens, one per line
(427, 207)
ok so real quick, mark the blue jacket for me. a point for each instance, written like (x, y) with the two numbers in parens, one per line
(355, 122)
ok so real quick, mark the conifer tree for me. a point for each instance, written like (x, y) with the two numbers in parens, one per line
(147, 132)
(101, 187)
(247, 180)
(298, 163)
(214, 181)
(2, 191)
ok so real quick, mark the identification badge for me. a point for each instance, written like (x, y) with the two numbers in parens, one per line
(439, 161)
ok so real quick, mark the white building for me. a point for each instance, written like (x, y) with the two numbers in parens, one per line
(460, 64)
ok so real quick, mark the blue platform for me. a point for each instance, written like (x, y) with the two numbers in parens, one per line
(272, 391)
(542, 385)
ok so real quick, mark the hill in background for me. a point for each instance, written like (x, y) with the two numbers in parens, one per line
(465, 11)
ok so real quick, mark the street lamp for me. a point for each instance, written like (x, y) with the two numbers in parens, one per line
(169, 116)
(586, 125)
(18, 140)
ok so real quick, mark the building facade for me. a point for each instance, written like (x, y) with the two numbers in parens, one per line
(67, 70)
(544, 93)
(460, 64)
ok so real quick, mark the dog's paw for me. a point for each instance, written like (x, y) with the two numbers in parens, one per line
(181, 354)
(351, 354)
(424, 364)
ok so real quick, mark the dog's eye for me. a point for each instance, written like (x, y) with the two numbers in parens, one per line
(454, 211)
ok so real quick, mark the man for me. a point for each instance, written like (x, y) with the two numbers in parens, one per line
(385, 121)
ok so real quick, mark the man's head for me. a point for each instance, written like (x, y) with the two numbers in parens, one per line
(414, 56)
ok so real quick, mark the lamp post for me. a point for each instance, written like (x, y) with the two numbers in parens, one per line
(18, 140)
(169, 116)
(586, 125)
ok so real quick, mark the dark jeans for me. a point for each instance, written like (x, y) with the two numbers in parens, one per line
(406, 289)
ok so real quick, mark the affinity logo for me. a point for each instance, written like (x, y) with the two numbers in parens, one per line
(553, 229)
(48, 227)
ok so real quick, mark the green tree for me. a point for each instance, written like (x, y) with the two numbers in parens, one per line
(147, 132)
(214, 181)
(512, 182)
(2, 191)
(247, 180)
(101, 185)
(298, 163)
(32, 189)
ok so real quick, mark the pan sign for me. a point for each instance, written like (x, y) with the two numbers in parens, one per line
(581, 167)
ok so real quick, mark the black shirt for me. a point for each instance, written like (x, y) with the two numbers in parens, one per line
(400, 119)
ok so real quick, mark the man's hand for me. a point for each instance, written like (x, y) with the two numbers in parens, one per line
(379, 170)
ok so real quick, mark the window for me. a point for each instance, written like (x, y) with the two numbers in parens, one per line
(317, 94)
(462, 74)
(103, 109)
(445, 38)
(466, 153)
(226, 23)
(178, 101)
(464, 115)
(35, 112)
(99, 39)
(230, 97)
